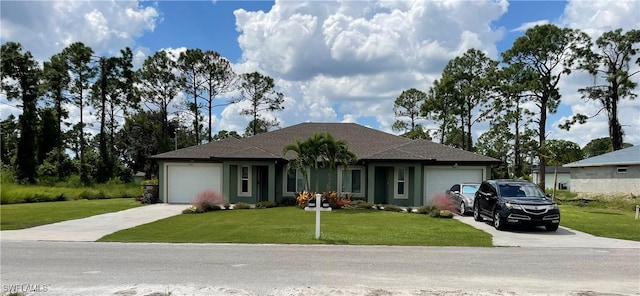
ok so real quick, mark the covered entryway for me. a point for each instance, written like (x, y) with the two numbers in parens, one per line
(439, 179)
(185, 180)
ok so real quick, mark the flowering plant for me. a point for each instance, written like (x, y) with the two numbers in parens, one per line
(336, 201)
(303, 197)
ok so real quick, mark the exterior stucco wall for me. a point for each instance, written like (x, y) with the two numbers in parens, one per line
(381, 184)
(563, 178)
(161, 184)
(606, 179)
(231, 177)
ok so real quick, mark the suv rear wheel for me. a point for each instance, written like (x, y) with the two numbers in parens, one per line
(497, 220)
(476, 212)
(463, 208)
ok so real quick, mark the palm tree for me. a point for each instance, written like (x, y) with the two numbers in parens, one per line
(319, 148)
(302, 160)
(335, 152)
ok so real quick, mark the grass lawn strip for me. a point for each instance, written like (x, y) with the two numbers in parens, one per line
(290, 225)
(20, 216)
(601, 222)
(11, 193)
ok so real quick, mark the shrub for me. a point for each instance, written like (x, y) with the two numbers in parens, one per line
(61, 197)
(361, 204)
(190, 210)
(338, 201)
(91, 194)
(266, 204)
(215, 208)
(208, 200)
(241, 206)
(409, 210)
(441, 214)
(288, 201)
(302, 198)
(624, 202)
(426, 210)
(444, 214)
(150, 182)
(442, 202)
(392, 208)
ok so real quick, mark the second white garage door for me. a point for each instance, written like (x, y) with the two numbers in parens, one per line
(440, 179)
(185, 181)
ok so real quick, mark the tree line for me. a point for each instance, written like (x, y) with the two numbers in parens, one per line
(167, 103)
(138, 112)
(474, 88)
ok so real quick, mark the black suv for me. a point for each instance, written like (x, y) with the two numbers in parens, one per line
(515, 202)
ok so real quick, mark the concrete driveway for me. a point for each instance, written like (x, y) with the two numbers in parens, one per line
(93, 228)
(538, 237)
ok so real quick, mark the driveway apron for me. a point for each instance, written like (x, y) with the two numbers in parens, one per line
(538, 237)
(94, 227)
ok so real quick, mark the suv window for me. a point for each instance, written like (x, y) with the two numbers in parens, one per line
(455, 188)
(485, 188)
(520, 190)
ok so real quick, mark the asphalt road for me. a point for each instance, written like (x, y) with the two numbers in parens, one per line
(79, 268)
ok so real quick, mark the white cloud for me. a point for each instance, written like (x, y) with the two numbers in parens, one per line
(348, 60)
(528, 25)
(596, 17)
(46, 27)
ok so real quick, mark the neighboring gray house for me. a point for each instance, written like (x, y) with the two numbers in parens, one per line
(390, 169)
(613, 172)
(564, 176)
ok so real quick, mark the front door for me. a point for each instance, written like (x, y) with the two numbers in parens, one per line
(383, 185)
(262, 182)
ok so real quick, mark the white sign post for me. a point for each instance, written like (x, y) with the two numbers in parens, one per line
(318, 207)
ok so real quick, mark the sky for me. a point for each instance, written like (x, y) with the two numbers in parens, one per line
(334, 61)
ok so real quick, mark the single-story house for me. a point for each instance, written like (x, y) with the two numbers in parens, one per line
(564, 176)
(613, 172)
(390, 169)
(138, 177)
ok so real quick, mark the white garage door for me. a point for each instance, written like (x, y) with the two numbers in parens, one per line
(185, 181)
(440, 179)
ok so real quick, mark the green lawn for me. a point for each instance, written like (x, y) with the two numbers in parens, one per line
(290, 225)
(601, 222)
(19, 216)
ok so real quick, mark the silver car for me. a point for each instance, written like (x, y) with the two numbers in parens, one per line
(462, 195)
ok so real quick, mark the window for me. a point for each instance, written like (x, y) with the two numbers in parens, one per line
(401, 183)
(486, 188)
(350, 180)
(295, 181)
(622, 170)
(244, 183)
(469, 189)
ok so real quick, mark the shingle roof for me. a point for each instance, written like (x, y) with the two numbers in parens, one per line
(429, 151)
(366, 143)
(627, 156)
